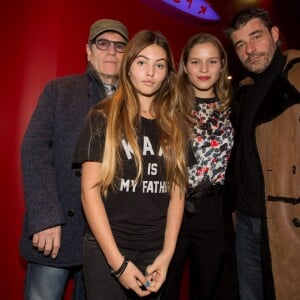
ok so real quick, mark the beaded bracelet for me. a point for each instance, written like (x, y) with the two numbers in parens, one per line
(121, 270)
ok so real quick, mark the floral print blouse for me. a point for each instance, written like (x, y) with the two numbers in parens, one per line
(212, 142)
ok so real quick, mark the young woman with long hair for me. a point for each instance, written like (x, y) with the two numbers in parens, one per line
(133, 153)
(206, 232)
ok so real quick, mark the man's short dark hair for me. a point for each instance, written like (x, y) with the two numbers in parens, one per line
(244, 16)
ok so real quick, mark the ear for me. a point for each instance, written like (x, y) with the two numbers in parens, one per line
(222, 64)
(88, 52)
(275, 33)
(185, 70)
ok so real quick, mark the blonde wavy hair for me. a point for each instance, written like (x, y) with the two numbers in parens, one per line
(222, 88)
(122, 111)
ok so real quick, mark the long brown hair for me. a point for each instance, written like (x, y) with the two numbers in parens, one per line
(222, 87)
(123, 118)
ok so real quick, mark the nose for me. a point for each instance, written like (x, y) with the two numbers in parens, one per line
(203, 67)
(111, 49)
(250, 47)
(150, 71)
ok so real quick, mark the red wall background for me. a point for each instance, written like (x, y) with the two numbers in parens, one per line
(41, 40)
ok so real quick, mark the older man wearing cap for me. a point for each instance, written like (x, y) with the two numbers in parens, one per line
(53, 227)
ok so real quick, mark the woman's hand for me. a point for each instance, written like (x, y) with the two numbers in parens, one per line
(133, 279)
(156, 272)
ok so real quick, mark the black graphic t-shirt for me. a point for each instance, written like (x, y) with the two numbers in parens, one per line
(136, 211)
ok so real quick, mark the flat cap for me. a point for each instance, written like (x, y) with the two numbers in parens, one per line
(103, 25)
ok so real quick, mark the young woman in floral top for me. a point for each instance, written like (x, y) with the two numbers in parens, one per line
(205, 89)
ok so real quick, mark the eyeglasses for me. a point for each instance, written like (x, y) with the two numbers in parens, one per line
(103, 44)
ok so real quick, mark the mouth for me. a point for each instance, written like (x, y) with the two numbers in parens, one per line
(111, 62)
(203, 78)
(253, 59)
(148, 83)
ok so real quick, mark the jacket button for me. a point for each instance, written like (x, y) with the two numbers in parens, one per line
(71, 213)
(296, 222)
(77, 173)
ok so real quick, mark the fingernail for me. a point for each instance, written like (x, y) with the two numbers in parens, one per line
(147, 283)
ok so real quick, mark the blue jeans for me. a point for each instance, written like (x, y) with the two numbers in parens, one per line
(44, 282)
(248, 254)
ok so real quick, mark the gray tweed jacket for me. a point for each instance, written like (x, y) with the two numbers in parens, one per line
(51, 185)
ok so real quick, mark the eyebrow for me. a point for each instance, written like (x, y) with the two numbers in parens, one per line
(250, 34)
(212, 57)
(104, 39)
(159, 59)
(255, 32)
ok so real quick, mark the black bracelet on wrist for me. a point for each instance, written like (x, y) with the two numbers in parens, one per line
(121, 270)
